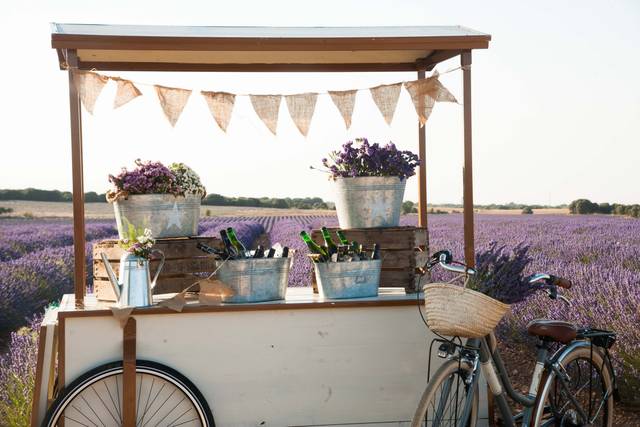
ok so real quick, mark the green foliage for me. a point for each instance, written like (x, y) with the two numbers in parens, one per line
(266, 202)
(504, 206)
(5, 210)
(433, 211)
(48, 195)
(408, 207)
(585, 206)
(18, 379)
(527, 210)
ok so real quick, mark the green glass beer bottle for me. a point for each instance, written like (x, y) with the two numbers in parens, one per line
(341, 236)
(259, 252)
(331, 247)
(235, 242)
(229, 248)
(376, 251)
(313, 246)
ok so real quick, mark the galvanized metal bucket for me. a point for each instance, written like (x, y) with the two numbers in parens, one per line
(369, 201)
(256, 280)
(356, 279)
(165, 215)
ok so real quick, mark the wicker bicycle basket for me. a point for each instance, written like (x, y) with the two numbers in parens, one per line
(453, 310)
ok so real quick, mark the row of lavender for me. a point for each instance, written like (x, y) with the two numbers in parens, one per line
(600, 254)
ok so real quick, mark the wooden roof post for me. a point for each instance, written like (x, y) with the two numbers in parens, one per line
(469, 247)
(75, 114)
(422, 171)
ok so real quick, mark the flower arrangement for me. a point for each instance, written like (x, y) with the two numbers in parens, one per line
(364, 159)
(188, 181)
(138, 242)
(155, 178)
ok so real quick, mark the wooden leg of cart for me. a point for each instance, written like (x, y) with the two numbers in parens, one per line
(129, 374)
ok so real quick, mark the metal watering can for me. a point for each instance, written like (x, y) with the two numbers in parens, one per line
(135, 286)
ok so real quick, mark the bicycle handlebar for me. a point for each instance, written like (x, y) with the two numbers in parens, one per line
(550, 280)
(445, 260)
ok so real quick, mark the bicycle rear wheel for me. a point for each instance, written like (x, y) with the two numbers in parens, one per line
(588, 380)
(165, 398)
(444, 400)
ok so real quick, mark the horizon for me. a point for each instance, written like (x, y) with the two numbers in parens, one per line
(549, 126)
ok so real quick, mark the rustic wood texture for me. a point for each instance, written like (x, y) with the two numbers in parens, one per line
(422, 170)
(469, 247)
(75, 114)
(35, 407)
(402, 249)
(129, 373)
(183, 260)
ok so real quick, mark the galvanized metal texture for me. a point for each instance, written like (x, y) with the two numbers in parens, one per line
(356, 279)
(256, 280)
(134, 285)
(164, 214)
(369, 201)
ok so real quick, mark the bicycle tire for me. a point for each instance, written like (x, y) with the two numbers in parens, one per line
(447, 372)
(547, 390)
(62, 402)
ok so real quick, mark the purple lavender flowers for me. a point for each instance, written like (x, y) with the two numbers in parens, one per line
(366, 159)
(146, 178)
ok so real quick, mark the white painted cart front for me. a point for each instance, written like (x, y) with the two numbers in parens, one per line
(298, 362)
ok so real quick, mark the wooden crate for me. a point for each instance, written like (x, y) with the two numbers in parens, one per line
(402, 250)
(182, 260)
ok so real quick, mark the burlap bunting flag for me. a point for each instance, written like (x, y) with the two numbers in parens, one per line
(301, 108)
(267, 108)
(89, 85)
(345, 101)
(125, 92)
(221, 106)
(386, 98)
(424, 94)
(172, 101)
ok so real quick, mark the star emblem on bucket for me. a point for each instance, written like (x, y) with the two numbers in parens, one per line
(175, 217)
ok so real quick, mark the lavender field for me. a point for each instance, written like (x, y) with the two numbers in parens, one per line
(600, 254)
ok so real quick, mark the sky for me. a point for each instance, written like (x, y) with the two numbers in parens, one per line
(556, 102)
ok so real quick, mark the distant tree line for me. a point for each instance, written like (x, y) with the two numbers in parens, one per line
(34, 194)
(585, 206)
(504, 206)
(268, 202)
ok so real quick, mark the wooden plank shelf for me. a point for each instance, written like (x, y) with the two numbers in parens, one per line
(184, 262)
(402, 250)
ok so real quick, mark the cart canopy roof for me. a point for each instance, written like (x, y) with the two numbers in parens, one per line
(191, 48)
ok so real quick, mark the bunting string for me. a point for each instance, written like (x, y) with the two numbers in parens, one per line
(424, 94)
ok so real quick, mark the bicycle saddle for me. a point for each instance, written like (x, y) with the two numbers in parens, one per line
(553, 330)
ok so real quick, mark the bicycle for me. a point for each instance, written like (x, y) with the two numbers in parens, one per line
(574, 386)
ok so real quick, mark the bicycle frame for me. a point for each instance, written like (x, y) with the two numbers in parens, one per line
(497, 378)
(495, 373)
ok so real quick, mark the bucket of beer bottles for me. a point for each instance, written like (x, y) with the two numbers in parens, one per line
(354, 279)
(256, 279)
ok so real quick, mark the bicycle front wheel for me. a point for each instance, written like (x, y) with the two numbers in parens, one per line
(164, 398)
(588, 381)
(448, 400)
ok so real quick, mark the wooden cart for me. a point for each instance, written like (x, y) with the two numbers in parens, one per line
(303, 361)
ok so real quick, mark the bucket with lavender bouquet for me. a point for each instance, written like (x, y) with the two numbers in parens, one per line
(163, 199)
(369, 182)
